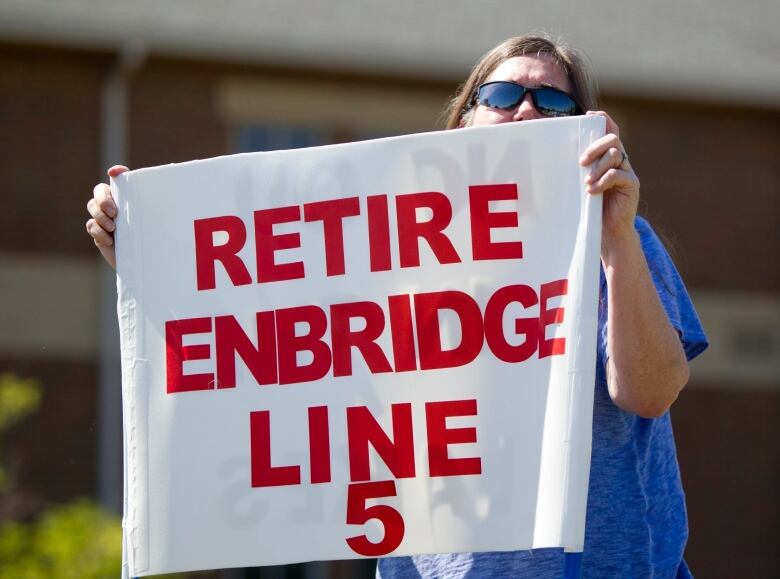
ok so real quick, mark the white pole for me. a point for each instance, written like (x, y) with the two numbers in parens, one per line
(113, 150)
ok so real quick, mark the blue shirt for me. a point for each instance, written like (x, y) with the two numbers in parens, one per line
(636, 524)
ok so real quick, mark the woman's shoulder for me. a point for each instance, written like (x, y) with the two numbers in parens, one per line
(671, 289)
(653, 247)
(643, 227)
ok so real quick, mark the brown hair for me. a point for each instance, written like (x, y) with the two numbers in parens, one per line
(584, 91)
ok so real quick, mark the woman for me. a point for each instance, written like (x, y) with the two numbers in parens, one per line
(636, 523)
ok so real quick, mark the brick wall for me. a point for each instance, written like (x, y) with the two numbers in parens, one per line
(173, 117)
(49, 102)
(710, 182)
(728, 454)
(52, 455)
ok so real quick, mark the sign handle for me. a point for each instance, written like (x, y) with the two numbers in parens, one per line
(572, 565)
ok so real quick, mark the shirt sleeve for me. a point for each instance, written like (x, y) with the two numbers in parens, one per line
(671, 291)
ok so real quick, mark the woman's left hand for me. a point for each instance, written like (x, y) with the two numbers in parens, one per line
(612, 175)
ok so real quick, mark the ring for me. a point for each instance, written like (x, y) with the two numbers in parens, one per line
(624, 159)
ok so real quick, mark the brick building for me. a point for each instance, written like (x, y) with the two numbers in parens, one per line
(84, 85)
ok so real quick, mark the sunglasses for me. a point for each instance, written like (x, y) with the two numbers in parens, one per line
(506, 95)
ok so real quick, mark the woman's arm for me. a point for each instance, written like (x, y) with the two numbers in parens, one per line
(646, 367)
(646, 364)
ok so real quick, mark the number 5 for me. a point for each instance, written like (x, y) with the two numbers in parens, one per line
(358, 514)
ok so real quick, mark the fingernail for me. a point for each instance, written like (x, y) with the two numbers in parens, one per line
(110, 226)
(111, 211)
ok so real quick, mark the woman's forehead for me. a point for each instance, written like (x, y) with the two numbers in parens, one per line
(532, 71)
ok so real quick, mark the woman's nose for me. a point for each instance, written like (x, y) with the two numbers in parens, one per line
(526, 110)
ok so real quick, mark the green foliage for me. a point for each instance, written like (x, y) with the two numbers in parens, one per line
(18, 398)
(72, 541)
(77, 540)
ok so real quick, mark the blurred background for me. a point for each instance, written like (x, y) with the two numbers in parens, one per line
(84, 84)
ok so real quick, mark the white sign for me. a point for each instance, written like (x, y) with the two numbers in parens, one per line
(377, 348)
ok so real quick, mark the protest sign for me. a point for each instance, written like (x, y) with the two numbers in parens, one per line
(367, 349)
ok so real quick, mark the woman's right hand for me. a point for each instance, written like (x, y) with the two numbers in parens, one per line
(103, 211)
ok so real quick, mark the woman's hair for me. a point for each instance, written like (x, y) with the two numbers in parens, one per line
(460, 108)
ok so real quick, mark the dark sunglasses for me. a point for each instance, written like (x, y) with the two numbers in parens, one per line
(506, 95)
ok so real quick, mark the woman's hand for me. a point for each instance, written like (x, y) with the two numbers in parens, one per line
(612, 175)
(103, 211)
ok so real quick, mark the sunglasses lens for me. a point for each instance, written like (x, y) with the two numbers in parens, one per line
(554, 103)
(500, 95)
(550, 102)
